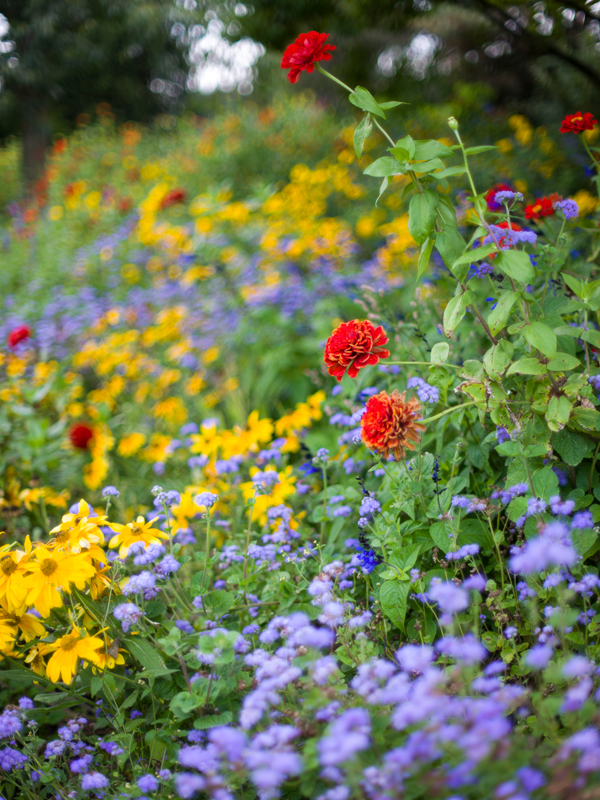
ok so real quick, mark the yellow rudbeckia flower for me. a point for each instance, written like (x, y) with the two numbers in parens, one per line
(67, 652)
(13, 566)
(138, 531)
(53, 571)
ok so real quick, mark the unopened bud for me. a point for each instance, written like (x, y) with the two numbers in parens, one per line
(453, 123)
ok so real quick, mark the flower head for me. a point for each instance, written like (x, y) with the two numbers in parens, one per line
(138, 531)
(81, 435)
(18, 335)
(173, 197)
(543, 207)
(390, 423)
(569, 208)
(305, 52)
(578, 122)
(354, 345)
(492, 202)
(68, 650)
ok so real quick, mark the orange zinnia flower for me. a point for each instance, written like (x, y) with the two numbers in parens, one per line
(354, 345)
(390, 424)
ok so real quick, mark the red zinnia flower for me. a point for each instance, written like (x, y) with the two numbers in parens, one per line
(18, 335)
(578, 123)
(543, 207)
(390, 424)
(81, 435)
(305, 52)
(489, 198)
(353, 345)
(173, 197)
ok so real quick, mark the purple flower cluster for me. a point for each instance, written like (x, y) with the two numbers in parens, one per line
(425, 392)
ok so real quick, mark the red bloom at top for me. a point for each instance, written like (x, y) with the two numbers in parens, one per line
(305, 52)
(18, 335)
(489, 198)
(578, 123)
(354, 345)
(81, 435)
(543, 207)
(173, 197)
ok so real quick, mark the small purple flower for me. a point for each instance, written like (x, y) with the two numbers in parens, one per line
(147, 783)
(110, 491)
(581, 520)
(502, 435)
(569, 208)
(94, 780)
(539, 656)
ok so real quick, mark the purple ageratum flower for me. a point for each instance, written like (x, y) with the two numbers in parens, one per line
(197, 462)
(509, 238)
(166, 567)
(581, 520)
(323, 669)
(206, 500)
(425, 392)
(510, 632)
(369, 506)
(81, 765)
(502, 435)
(595, 382)
(551, 548)
(110, 491)
(342, 511)
(535, 506)
(460, 502)
(475, 583)
(464, 552)
(467, 650)
(9, 724)
(348, 735)
(557, 506)
(481, 270)
(54, 748)
(146, 555)
(449, 597)
(576, 696)
(415, 658)
(127, 614)
(577, 667)
(569, 208)
(539, 656)
(147, 783)
(508, 198)
(188, 785)
(530, 778)
(562, 476)
(143, 583)
(94, 780)
(11, 759)
(26, 703)
(184, 625)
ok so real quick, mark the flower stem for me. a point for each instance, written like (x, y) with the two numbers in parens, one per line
(448, 411)
(207, 553)
(333, 78)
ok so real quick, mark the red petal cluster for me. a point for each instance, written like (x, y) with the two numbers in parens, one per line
(390, 424)
(173, 197)
(81, 435)
(18, 335)
(543, 207)
(305, 52)
(578, 123)
(489, 198)
(354, 345)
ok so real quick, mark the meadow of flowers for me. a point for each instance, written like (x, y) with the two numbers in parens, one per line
(299, 469)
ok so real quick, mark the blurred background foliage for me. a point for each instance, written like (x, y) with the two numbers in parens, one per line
(61, 61)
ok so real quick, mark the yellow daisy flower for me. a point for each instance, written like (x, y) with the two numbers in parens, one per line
(7, 637)
(13, 567)
(109, 656)
(28, 624)
(51, 572)
(67, 652)
(35, 658)
(138, 531)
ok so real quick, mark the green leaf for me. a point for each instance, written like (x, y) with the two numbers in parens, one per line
(449, 172)
(573, 284)
(362, 98)
(421, 215)
(382, 188)
(541, 337)
(213, 720)
(439, 532)
(455, 311)
(586, 418)
(384, 167)
(392, 104)
(592, 337)
(427, 166)
(499, 315)
(497, 359)
(558, 413)
(143, 652)
(480, 148)
(439, 353)
(219, 601)
(424, 257)
(363, 129)
(450, 245)
(545, 483)
(562, 362)
(516, 264)
(477, 254)
(431, 148)
(404, 149)
(571, 447)
(526, 366)
(393, 596)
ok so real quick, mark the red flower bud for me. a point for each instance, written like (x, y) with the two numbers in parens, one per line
(18, 335)
(81, 435)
